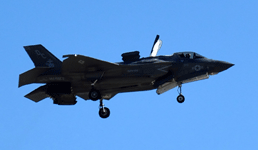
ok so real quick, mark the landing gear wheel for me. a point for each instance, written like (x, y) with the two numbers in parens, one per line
(94, 95)
(104, 112)
(180, 98)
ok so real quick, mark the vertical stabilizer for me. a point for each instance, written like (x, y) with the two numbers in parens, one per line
(41, 57)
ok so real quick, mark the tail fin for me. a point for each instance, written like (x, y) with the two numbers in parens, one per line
(41, 57)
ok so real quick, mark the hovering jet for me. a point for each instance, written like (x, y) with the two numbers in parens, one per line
(93, 79)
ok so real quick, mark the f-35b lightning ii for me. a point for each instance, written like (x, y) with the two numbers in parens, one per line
(93, 79)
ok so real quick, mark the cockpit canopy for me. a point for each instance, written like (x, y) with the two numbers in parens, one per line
(190, 55)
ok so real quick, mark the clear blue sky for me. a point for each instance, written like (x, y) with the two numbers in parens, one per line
(219, 113)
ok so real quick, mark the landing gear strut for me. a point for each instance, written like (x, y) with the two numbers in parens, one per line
(104, 112)
(180, 98)
(94, 95)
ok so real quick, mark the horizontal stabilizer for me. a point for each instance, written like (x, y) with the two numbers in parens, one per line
(38, 94)
(30, 76)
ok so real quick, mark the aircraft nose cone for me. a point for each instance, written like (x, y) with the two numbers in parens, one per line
(221, 66)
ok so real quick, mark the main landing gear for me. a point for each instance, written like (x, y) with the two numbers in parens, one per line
(180, 98)
(104, 112)
(94, 95)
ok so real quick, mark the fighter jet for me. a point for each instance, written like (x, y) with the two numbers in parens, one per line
(93, 79)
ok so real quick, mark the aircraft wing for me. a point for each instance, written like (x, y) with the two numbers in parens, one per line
(79, 63)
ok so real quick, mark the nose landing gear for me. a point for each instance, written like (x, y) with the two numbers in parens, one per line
(180, 98)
